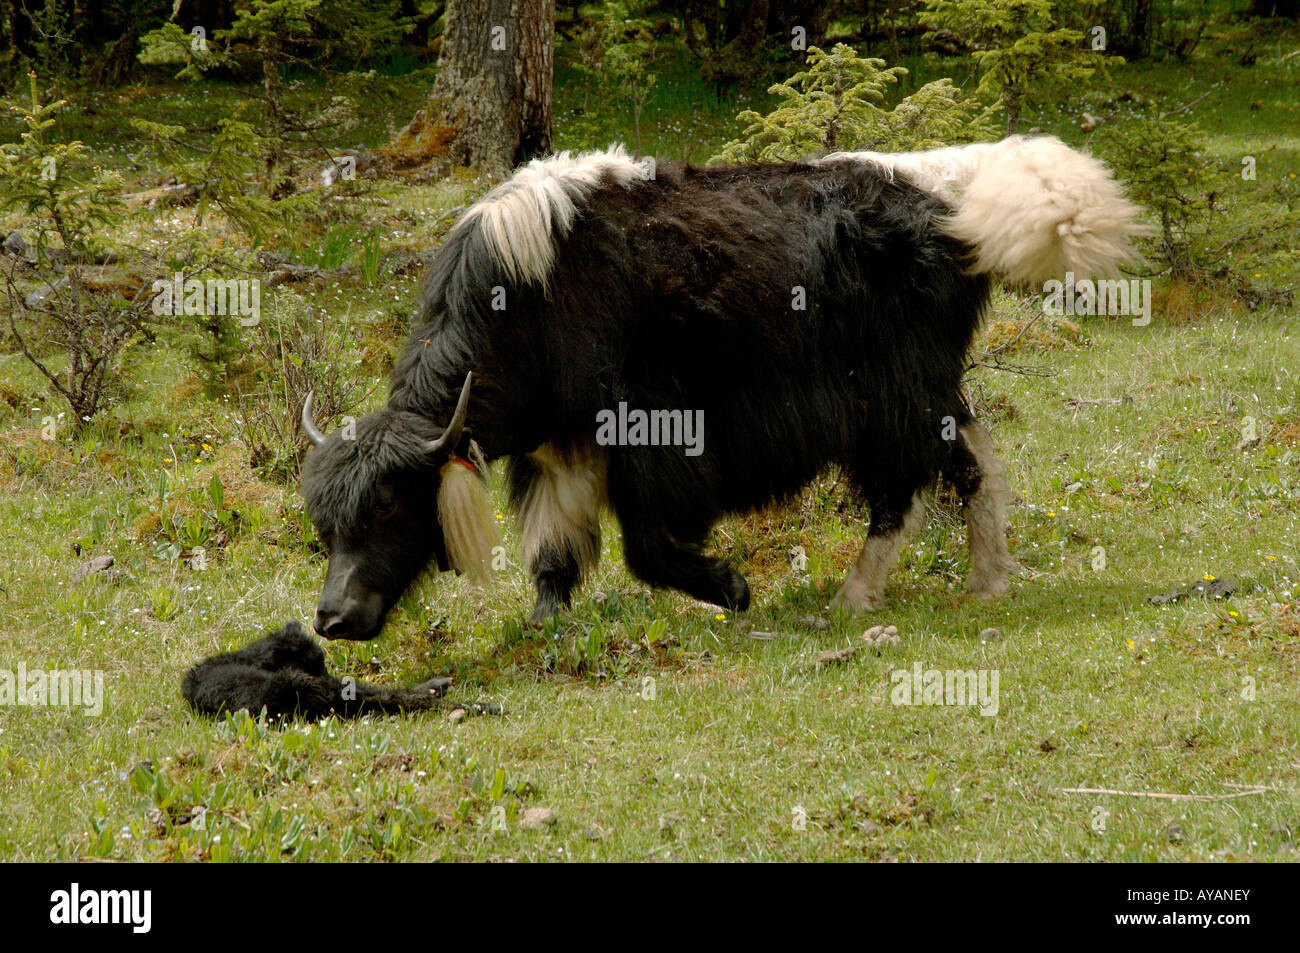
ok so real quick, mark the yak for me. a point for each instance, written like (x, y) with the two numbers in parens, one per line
(284, 674)
(804, 314)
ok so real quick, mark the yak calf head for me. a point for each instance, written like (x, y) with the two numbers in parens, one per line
(390, 496)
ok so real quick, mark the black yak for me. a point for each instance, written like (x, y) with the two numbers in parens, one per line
(805, 313)
(283, 673)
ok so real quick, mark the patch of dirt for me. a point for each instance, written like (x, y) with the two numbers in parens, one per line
(858, 814)
(393, 761)
(1046, 334)
(242, 490)
(1286, 432)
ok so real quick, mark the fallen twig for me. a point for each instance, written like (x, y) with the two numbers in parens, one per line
(1258, 789)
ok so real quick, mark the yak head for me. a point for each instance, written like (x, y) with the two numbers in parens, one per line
(389, 496)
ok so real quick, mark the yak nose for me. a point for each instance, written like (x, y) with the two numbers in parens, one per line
(332, 625)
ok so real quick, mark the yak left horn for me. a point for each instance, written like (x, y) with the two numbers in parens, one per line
(309, 425)
(451, 436)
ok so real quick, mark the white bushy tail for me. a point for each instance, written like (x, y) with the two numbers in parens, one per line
(1031, 207)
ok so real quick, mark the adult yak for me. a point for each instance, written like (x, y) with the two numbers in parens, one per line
(816, 312)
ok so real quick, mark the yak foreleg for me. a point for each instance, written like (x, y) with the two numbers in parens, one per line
(558, 498)
(654, 557)
(555, 575)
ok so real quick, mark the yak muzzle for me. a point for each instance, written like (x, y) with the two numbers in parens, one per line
(348, 609)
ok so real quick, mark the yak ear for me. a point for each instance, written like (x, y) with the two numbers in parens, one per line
(469, 533)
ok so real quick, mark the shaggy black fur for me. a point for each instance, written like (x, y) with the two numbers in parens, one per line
(284, 672)
(678, 293)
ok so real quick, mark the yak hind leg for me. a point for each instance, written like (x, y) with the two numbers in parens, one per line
(980, 478)
(558, 498)
(655, 557)
(864, 589)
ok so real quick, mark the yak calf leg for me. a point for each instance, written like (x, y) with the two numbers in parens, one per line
(373, 699)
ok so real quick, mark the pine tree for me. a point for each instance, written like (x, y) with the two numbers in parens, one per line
(1017, 49)
(836, 105)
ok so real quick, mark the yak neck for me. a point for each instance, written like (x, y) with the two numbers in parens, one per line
(428, 378)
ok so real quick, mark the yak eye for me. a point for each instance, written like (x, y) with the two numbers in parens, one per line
(385, 507)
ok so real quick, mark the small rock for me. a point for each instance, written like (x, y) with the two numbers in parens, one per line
(457, 716)
(814, 622)
(535, 818)
(34, 299)
(991, 635)
(668, 823)
(1214, 587)
(835, 656)
(1173, 833)
(868, 826)
(14, 245)
(90, 567)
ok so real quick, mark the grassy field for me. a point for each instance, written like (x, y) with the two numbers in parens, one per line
(658, 728)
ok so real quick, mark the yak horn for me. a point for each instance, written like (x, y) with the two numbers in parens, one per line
(451, 436)
(309, 425)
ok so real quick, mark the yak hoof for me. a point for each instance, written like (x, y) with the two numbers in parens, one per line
(855, 602)
(435, 686)
(545, 609)
(737, 592)
(986, 586)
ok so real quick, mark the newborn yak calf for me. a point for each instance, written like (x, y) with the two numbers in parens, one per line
(284, 672)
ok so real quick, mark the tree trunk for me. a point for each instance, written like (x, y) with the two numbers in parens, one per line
(20, 30)
(1274, 8)
(270, 49)
(490, 107)
(1141, 28)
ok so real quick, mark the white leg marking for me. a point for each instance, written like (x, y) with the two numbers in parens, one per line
(562, 507)
(986, 517)
(864, 589)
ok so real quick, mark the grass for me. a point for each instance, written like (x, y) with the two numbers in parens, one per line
(658, 728)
